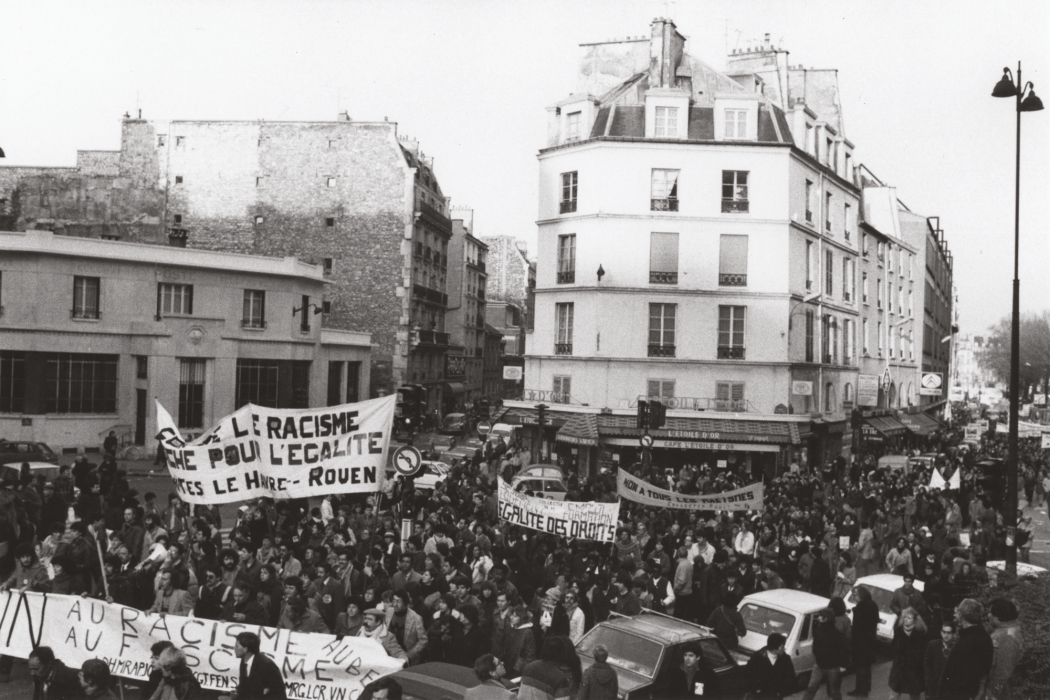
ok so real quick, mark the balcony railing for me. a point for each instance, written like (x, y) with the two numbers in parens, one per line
(93, 314)
(433, 338)
(567, 206)
(567, 277)
(693, 403)
(732, 279)
(735, 206)
(663, 277)
(661, 350)
(563, 348)
(665, 204)
(730, 352)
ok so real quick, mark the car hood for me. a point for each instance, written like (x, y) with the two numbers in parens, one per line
(752, 642)
(625, 680)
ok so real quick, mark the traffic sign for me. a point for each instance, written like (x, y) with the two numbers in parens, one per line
(407, 460)
(484, 427)
(646, 441)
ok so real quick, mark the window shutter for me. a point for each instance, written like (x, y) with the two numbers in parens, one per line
(732, 255)
(663, 252)
(737, 389)
(722, 391)
(654, 388)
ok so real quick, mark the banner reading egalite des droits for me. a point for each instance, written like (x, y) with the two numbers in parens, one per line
(281, 453)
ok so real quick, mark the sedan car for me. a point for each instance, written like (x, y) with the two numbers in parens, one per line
(46, 469)
(544, 480)
(881, 587)
(432, 681)
(454, 424)
(788, 612)
(426, 478)
(16, 452)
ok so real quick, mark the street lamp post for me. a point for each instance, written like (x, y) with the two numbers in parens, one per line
(1006, 88)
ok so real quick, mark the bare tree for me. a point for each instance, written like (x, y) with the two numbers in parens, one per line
(1034, 350)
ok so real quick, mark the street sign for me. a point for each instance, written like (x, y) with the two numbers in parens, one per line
(407, 460)
(484, 427)
(513, 374)
(646, 441)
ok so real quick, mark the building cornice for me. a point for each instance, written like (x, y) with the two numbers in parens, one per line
(656, 216)
(812, 162)
(674, 143)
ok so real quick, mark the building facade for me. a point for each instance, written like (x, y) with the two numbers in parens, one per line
(351, 196)
(93, 331)
(466, 314)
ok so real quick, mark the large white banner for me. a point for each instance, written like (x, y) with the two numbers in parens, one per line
(281, 453)
(314, 666)
(584, 521)
(634, 489)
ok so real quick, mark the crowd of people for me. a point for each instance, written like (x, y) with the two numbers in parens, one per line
(465, 589)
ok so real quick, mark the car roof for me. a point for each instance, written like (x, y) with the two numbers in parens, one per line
(659, 628)
(887, 582)
(435, 680)
(788, 599)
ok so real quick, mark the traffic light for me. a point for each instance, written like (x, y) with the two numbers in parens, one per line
(657, 415)
(542, 411)
(643, 414)
(856, 419)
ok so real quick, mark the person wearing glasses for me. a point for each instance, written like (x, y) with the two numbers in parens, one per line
(489, 671)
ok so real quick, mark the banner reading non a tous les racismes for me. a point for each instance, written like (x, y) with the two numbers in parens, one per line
(281, 453)
(634, 489)
(584, 521)
(314, 666)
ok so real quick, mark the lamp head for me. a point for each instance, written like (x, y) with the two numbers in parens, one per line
(1005, 87)
(1031, 103)
(601, 272)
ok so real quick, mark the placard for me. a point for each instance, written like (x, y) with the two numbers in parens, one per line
(281, 453)
(634, 489)
(586, 521)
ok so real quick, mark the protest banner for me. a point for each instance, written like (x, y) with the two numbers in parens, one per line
(314, 666)
(634, 489)
(281, 453)
(584, 521)
(972, 433)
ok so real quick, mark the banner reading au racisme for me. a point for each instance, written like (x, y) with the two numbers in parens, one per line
(314, 666)
(281, 453)
(584, 521)
(634, 489)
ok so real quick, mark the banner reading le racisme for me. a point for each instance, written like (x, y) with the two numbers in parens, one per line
(584, 521)
(281, 453)
(314, 666)
(633, 489)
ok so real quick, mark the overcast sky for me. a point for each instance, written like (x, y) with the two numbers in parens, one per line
(471, 80)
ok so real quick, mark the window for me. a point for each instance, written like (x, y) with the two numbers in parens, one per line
(572, 126)
(663, 258)
(12, 381)
(563, 314)
(736, 123)
(567, 258)
(162, 139)
(734, 191)
(86, 297)
(847, 221)
(659, 389)
(809, 201)
(848, 169)
(825, 338)
(328, 265)
(562, 387)
(829, 273)
(329, 221)
(834, 340)
(811, 264)
(175, 299)
(881, 251)
(664, 190)
(864, 335)
(662, 330)
(178, 179)
(80, 383)
(666, 122)
(811, 141)
(900, 301)
(254, 309)
(568, 192)
(257, 382)
(889, 258)
(881, 339)
(864, 287)
(911, 306)
(849, 280)
(731, 332)
(259, 220)
(258, 181)
(864, 244)
(911, 266)
(732, 260)
(729, 396)
(847, 395)
(827, 212)
(829, 397)
(353, 381)
(829, 148)
(810, 332)
(847, 341)
(180, 140)
(141, 367)
(304, 315)
(178, 218)
(191, 394)
(878, 293)
(329, 181)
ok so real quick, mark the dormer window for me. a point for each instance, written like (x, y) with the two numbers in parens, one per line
(736, 124)
(572, 126)
(666, 122)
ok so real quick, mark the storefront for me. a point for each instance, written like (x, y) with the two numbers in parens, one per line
(881, 434)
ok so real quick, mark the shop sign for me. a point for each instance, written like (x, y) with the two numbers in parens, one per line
(931, 384)
(868, 390)
(802, 388)
(513, 374)
(683, 445)
(455, 366)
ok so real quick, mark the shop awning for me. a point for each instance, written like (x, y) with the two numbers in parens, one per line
(887, 425)
(919, 423)
(705, 429)
(530, 416)
(580, 429)
(454, 387)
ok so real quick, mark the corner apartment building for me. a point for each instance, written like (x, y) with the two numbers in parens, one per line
(92, 331)
(351, 196)
(466, 315)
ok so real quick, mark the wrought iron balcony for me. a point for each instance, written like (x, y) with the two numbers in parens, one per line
(567, 206)
(665, 204)
(735, 206)
(730, 352)
(563, 348)
(661, 350)
(567, 277)
(732, 279)
(663, 277)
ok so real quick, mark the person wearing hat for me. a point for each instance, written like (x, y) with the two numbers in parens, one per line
(374, 627)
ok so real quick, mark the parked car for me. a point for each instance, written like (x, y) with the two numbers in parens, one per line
(881, 587)
(544, 480)
(788, 612)
(435, 680)
(18, 451)
(426, 478)
(645, 648)
(454, 424)
(46, 469)
(1024, 571)
(502, 431)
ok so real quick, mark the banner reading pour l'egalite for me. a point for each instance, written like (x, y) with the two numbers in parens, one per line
(281, 453)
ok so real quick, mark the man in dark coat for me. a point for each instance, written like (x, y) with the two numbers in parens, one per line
(830, 653)
(863, 640)
(967, 666)
(245, 608)
(937, 651)
(770, 673)
(693, 678)
(61, 683)
(259, 677)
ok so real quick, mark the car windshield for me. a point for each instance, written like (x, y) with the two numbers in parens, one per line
(626, 651)
(881, 596)
(762, 620)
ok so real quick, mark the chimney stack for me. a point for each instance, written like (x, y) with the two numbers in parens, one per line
(343, 117)
(665, 53)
